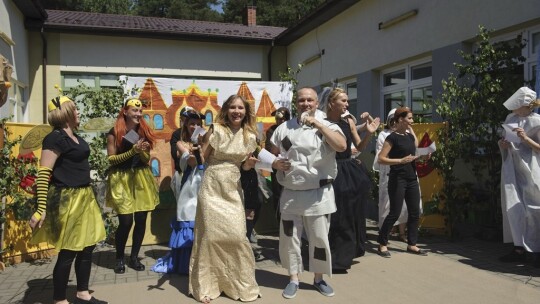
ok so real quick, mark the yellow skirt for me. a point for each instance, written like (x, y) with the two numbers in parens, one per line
(73, 219)
(132, 190)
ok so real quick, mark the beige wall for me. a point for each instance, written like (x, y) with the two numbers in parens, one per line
(15, 48)
(139, 56)
(354, 44)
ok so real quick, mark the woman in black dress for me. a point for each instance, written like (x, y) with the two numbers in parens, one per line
(351, 187)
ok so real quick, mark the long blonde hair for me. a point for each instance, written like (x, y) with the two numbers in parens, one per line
(248, 123)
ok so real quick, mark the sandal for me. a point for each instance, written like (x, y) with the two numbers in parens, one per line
(206, 300)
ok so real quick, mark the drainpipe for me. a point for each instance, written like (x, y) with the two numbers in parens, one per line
(44, 74)
(270, 61)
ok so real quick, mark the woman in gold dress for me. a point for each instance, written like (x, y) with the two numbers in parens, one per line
(222, 259)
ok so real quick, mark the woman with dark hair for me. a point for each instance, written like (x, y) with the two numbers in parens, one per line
(73, 222)
(399, 152)
(351, 187)
(384, 202)
(132, 189)
(222, 259)
(181, 240)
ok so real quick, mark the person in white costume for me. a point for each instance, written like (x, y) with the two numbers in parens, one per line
(384, 200)
(307, 166)
(520, 178)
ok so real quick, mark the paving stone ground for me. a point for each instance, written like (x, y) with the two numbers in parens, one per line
(31, 282)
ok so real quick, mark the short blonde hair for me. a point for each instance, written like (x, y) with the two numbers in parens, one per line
(334, 94)
(60, 117)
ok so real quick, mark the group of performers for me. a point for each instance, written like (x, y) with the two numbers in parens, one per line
(323, 191)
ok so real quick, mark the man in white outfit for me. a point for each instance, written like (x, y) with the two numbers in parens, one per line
(520, 177)
(307, 145)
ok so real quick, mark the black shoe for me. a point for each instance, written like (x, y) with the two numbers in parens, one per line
(136, 264)
(421, 252)
(384, 254)
(513, 257)
(91, 301)
(120, 266)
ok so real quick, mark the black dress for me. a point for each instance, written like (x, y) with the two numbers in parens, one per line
(347, 234)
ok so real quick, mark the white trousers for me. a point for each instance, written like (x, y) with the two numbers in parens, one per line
(290, 242)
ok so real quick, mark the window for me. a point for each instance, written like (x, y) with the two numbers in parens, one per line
(91, 81)
(410, 86)
(158, 122)
(154, 165)
(352, 92)
(208, 118)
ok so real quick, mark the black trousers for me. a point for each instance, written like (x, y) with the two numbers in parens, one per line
(83, 263)
(399, 189)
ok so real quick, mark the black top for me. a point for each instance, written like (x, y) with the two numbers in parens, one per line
(71, 169)
(402, 145)
(175, 137)
(269, 133)
(133, 162)
(346, 128)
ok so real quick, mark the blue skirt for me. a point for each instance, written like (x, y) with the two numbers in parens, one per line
(181, 242)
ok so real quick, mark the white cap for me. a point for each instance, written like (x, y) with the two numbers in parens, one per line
(390, 115)
(347, 113)
(522, 97)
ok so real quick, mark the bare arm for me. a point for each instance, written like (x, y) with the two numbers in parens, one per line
(192, 162)
(526, 139)
(335, 139)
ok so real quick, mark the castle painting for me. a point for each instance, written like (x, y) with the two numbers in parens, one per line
(166, 97)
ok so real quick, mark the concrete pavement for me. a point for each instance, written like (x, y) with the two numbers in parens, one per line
(454, 272)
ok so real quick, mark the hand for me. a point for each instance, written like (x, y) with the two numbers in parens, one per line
(249, 163)
(521, 133)
(407, 159)
(281, 164)
(504, 144)
(145, 146)
(374, 125)
(34, 222)
(364, 116)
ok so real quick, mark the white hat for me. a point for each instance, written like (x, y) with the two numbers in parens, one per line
(522, 97)
(347, 113)
(390, 115)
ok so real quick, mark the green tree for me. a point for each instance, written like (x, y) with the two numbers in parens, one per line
(121, 7)
(471, 104)
(178, 9)
(270, 12)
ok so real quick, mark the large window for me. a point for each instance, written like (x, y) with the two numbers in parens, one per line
(409, 85)
(70, 80)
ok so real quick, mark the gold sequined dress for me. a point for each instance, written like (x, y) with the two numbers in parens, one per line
(222, 259)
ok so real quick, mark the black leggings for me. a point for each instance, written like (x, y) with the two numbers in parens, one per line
(400, 189)
(125, 221)
(83, 263)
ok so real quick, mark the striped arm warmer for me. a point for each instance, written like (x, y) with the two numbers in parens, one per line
(145, 157)
(120, 158)
(42, 183)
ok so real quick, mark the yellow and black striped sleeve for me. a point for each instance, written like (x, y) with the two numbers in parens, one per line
(145, 157)
(42, 183)
(120, 158)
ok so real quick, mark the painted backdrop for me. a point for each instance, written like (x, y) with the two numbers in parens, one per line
(166, 97)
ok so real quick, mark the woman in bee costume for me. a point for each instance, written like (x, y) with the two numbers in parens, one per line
(132, 189)
(68, 215)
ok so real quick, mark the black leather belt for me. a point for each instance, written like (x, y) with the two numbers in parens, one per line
(324, 182)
